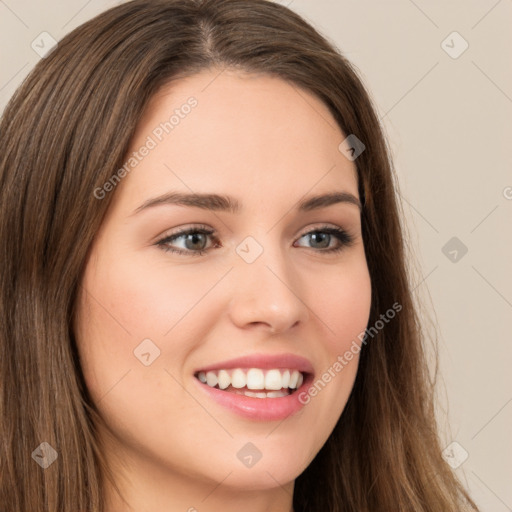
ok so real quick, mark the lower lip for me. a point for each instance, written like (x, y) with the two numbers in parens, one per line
(262, 409)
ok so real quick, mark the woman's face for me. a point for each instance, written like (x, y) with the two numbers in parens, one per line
(256, 282)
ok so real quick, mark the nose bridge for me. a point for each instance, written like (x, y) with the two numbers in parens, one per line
(267, 289)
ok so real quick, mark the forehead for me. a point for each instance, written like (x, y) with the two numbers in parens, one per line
(219, 130)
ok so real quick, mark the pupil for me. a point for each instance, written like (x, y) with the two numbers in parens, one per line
(324, 235)
(194, 238)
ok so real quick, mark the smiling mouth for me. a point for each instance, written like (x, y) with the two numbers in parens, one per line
(254, 382)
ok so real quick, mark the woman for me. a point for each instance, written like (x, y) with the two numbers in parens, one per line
(258, 370)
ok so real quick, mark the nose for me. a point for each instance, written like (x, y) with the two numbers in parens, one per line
(267, 294)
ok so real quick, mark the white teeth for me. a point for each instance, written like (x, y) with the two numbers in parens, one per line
(255, 379)
(224, 379)
(294, 377)
(286, 378)
(256, 395)
(211, 379)
(272, 380)
(276, 394)
(238, 379)
(269, 394)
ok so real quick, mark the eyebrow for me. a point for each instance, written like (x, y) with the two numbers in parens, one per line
(217, 202)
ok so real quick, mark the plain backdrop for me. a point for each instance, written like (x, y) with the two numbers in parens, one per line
(440, 75)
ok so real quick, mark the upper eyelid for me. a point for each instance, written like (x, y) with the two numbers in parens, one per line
(184, 231)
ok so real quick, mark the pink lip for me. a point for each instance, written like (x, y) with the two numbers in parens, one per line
(263, 361)
(261, 409)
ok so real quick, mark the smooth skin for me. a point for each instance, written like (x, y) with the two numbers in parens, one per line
(269, 145)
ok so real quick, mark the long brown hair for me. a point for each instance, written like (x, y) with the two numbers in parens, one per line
(65, 132)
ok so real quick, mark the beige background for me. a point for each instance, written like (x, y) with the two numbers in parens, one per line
(448, 121)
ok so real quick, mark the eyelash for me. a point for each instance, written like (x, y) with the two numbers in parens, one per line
(343, 237)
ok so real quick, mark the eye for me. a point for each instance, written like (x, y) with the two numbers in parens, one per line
(195, 240)
(324, 236)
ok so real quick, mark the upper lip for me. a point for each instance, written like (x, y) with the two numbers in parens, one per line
(263, 361)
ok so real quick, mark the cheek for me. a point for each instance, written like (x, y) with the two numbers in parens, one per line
(124, 302)
(131, 300)
(342, 309)
(342, 305)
